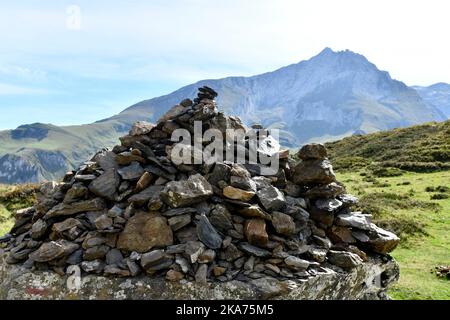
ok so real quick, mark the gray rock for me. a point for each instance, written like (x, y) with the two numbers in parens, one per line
(348, 200)
(63, 209)
(231, 253)
(378, 239)
(65, 225)
(106, 185)
(253, 250)
(208, 234)
(95, 266)
(310, 172)
(115, 212)
(178, 212)
(143, 197)
(221, 218)
(344, 259)
(328, 204)
(132, 172)
(178, 222)
(134, 268)
(75, 258)
(355, 220)
(193, 250)
(94, 253)
(188, 192)
(244, 183)
(201, 274)
(296, 263)
(114, 256)
(155, 261)
(327, 191)
(53, 250)
(221, 172)
(141, 128)
(271, 198)
(111, 270)
(38, 229)
(328, 285)
(152, 258)
(78, 192)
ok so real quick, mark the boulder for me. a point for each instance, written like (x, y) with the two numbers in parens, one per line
(188, 192)
(106, 185)
(310, 172)
(283, 223)
(271, 198)
(145, 231)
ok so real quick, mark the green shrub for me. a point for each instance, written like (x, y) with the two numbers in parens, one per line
(439, 196)
(386, 172)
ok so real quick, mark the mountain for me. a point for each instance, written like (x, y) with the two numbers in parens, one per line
(437, 95)
(330, 96)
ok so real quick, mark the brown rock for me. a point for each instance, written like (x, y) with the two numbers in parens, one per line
(254, 211)
(341, 234)
(174, 276)
(126, 158)
(144, 181)
(66, 225)
(218, 271)
(255, 232)
(238, 194)
(283, 223)
(145, 231)
(312, 151)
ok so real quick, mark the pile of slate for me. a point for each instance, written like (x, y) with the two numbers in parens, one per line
(131, 210)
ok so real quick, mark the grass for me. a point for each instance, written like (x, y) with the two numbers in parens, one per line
(422, 148)
(13, 198)
(403, 205)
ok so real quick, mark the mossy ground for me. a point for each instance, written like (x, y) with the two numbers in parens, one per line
(404, 205)
(13, 198)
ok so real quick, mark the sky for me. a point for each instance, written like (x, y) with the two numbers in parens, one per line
(73, 62)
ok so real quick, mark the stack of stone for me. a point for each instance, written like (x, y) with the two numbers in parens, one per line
(131, 210)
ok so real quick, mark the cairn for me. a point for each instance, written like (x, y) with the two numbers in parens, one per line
(131, 210)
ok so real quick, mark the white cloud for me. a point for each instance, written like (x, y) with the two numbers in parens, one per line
(9, 89)
(405, 37)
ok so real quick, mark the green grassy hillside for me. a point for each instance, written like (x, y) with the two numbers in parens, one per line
(422, 148)
(402, 178)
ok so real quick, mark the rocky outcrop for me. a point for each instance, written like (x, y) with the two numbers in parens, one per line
(136, 210)
(367, 281)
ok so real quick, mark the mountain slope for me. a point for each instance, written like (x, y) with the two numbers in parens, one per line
(437, 95)
(330, 96)
(421, 148)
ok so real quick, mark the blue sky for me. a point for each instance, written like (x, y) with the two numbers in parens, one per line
(64, 66)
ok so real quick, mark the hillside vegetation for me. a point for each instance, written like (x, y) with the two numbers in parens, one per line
(422, 148)
(402, 178)
(13, 198)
